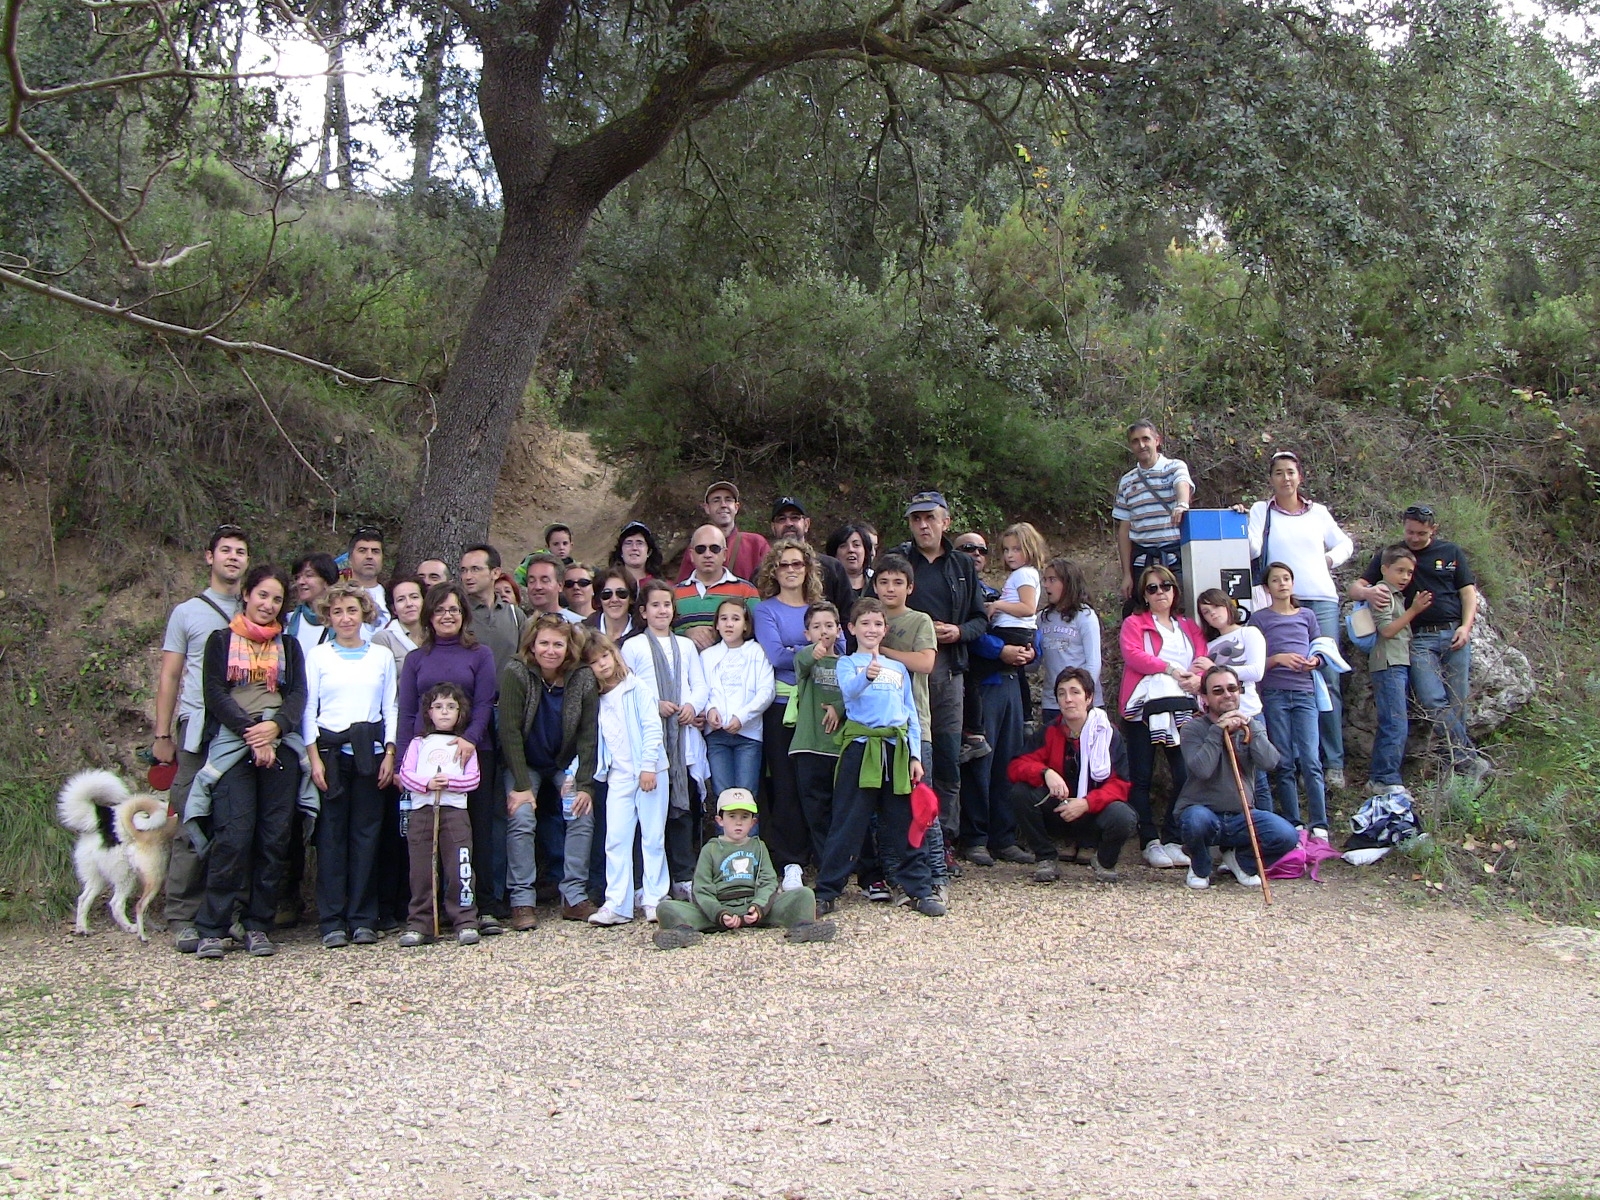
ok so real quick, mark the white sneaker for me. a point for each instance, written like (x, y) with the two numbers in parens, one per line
(683, 891)
(791, 878)
(1333, 777)
(1320, 833)
(650, 913)
(1230, 863)
(1197, 882)
(608, 916)
(1156, 855)
(1175, 853)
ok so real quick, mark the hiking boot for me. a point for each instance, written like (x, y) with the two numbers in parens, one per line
(811, 931)
(1016, 854)
(792, 880)
(210, 948)
(877, 891)
(523, 918)
(1176, 852)
(678, 937)
(929, 907)
(824, 907)
(979, 856)
(1103, 874)
(1198, 882)
(258, 945)
(974, 745)
(489, 925)
(469, 937)
(186, 938)
(1156, 855)
(1048, 872)
(414, 937)
(951, 867)
(335, 940)
(1230, 863)
(580, 911)
(364, 937)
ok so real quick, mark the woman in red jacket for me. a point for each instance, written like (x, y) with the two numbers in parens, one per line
(1163, 658)
(1075, 785)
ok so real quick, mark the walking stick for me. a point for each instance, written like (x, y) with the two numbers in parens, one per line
(434, 859)
(1249, 820)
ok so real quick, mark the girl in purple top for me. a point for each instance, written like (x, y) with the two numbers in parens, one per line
(449, 653)
(1289, 700)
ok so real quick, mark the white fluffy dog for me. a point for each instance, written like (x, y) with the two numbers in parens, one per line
(123, 839)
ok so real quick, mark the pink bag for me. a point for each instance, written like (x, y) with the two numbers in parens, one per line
(924, 812)
(1307, 856)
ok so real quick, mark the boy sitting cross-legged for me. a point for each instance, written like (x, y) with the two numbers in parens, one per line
(735, 886)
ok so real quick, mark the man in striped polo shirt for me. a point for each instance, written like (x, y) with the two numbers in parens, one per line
(1151, 500)
(695, 599)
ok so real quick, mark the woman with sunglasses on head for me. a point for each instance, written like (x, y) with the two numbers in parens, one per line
(636, 549)
(614, 615)
(578, 588)
(1163, 658)
(852, 544)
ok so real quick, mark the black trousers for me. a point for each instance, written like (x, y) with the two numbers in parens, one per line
(252, 809)
(391, 874)
(348, 832)
(783, 822)
(683, 837)
(1108, 830)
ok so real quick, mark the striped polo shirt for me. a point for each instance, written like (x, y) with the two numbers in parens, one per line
(695, 603)
(1145, 500)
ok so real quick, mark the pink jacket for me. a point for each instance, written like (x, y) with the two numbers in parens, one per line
(1141, 650)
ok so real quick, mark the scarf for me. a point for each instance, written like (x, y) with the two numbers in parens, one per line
(671, 731)
(871, 774)
(254, 653)
(1094, 750)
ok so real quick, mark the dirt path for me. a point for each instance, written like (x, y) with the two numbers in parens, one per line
(555, 475)
(1063, 1041)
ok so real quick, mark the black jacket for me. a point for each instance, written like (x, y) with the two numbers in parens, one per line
(947, 590)
(223, 709)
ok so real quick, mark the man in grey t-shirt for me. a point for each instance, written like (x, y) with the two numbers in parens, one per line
(180, 712)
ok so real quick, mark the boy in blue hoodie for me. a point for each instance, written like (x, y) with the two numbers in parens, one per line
(880, 763)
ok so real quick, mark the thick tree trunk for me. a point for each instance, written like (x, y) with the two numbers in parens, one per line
(425, 128)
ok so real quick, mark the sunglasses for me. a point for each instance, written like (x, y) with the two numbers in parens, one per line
(1224, 691)
(972, 548)
(574, 583)
(1418, 512)
(614, 594)
(228, 531)
(1155, 589)
(796, 565)
(706, 549)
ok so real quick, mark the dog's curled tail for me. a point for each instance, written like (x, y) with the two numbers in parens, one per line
(85, 795)
(143, 815)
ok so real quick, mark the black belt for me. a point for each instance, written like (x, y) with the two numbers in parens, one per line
(1434, 627)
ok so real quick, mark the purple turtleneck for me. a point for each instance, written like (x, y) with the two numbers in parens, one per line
(446, 661)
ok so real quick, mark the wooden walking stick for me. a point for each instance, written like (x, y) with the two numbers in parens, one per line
(434, 859)
(1249, 820)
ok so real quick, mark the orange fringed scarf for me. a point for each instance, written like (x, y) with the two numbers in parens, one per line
(254, 653)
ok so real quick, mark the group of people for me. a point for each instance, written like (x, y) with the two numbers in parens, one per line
(462, 745)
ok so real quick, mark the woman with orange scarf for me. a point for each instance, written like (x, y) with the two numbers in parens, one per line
(254, 682)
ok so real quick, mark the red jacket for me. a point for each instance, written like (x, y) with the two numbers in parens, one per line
(1141, 651)
(1029, 768)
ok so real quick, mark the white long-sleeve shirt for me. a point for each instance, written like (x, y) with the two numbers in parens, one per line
(741, 684)
(1304, 542)
(346, 686)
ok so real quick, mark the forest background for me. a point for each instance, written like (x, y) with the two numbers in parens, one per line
(916, 255)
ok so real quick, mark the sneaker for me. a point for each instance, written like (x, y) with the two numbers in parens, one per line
(1320, 833)
(236, 932)
(679, 937)
(979, 856)
(1334, 777)
(489, 925)
(1176, 853)
(1198, 882)
(580, 911)
(824, 907)
(683, 891)
(1048, 871)
(792, 882)
(607, 916)
(877, 891)
(942, 894)
(812, 931)
(929, 907)
(414, 937)
(467, 937)
(523, 918)
(951, 867)
(258, 945)
(186, 938)
(209, 948)
(650, 914)
(1156, 855)
(974, 745)
(1230, 863)
(1104, 874)
(1016, 854)
(364, 937)
(336, 940)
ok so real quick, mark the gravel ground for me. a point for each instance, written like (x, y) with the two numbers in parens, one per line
(1054, 1041)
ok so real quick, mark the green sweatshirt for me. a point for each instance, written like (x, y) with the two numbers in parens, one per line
(814, 686)
(730, 878)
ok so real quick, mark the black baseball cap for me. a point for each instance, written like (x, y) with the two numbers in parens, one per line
(926, 502)
(786, 502)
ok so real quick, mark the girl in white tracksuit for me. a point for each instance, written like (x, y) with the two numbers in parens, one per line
(629, 758)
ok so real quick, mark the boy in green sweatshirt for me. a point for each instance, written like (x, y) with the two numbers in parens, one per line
(735, 886)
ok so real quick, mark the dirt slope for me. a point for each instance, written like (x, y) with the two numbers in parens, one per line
(555, 475)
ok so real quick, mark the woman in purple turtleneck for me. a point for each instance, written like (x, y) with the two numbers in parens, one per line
(449, 653)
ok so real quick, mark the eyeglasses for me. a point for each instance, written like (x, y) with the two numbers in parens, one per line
(1418, 512)
(1153, 589)
(795, 565)
(712, 549)
(972, 548)
(453, 611)
(575, 583)
(613, 594)
(1225, 690)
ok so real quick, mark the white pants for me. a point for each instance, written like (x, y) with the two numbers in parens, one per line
(628, 808)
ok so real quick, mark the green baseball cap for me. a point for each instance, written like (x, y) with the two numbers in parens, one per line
(736, 800)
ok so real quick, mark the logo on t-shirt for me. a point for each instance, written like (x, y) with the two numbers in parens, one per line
(738, 867)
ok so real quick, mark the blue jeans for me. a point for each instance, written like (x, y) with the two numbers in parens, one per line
(1389, 742)
(735, 761)
(1204, 828)
(1292, 728)
(853, 810)
(1439, 677)
(525, 829)
(1330, 725)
